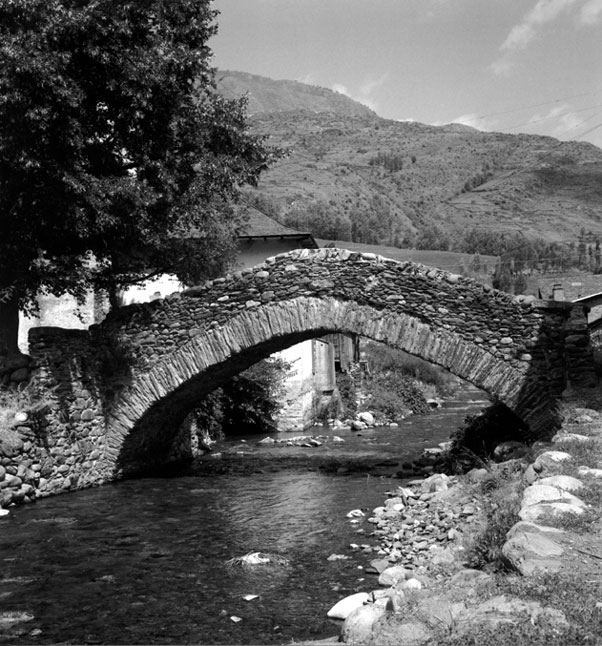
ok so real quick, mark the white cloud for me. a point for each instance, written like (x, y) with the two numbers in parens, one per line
(542, 13)
(366, 91)
(474, 121)
(309, 79)
(560, 122)
(341, 89)
(591, 12)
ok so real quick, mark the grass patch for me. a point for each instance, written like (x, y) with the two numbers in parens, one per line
(576, 596)
(588, 454)
(502, 496)
(578, 523)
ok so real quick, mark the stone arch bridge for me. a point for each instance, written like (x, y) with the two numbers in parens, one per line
(118, 391)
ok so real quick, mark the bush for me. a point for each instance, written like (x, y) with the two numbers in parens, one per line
(382, 358)
(248, 403)
(394, 394)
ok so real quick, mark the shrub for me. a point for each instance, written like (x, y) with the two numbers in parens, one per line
(393, 395)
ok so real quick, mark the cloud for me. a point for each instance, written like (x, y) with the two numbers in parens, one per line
(341, 89)
(560, 122)
(366, 91)
(543, 12)
(591, 12)
(474, 121)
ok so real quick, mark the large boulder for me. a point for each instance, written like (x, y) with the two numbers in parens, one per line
(366, 417)
(343, 608)
(530, 547)
(359, 625)
(538, 493)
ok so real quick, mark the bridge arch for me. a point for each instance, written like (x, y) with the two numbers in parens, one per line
(143, 424)
(183, 347)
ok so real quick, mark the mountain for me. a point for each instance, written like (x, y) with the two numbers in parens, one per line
(266, 95)
(352, 175)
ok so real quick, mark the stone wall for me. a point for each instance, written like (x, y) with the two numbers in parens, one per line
(118, 392)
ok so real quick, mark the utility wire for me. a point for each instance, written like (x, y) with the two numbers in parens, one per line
(528, 123)
(536, 105)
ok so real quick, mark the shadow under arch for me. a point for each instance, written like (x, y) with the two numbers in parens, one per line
(143, 421)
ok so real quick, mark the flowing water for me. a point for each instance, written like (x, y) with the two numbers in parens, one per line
(146, 561)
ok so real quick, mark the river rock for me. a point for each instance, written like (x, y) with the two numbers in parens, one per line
(380, 565)
(358, 626)
(434, 483)
(366, 417)
(530, 547)
(343, 608)
(562, 437)
(550, 461)
(537, 493)
(543, 510)
(392, 575)
(566, 483)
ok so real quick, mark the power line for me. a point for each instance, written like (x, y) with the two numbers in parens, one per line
(536, 105)
(552, 116)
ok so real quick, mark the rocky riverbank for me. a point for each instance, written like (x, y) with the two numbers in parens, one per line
(434, 533)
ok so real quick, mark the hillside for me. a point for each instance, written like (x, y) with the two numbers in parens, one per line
(268, 95)
(357, 176)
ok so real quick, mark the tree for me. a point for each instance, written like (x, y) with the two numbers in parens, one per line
(114, 148)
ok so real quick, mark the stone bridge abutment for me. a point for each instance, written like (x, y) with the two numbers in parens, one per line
(118, 392)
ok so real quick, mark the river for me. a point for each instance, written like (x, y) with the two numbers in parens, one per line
(145, 561)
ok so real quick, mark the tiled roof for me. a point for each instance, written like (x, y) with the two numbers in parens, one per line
(259, 225)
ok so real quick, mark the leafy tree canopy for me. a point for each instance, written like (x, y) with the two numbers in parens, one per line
(113, 142)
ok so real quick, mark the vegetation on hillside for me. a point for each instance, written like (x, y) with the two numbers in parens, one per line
(407, 184)
(353, 176)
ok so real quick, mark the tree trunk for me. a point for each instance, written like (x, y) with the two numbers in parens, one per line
(9, 328)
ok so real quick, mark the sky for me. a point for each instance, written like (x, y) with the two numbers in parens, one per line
(532, 66)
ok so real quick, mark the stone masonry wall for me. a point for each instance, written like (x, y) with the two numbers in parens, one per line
(117, 393)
